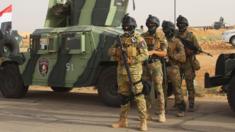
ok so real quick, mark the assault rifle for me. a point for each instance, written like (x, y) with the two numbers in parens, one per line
(124, 57)
(188, 44)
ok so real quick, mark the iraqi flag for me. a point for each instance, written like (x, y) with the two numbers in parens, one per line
(5, 19)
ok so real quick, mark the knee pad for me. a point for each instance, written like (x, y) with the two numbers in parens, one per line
(146, 87)
(124, 99)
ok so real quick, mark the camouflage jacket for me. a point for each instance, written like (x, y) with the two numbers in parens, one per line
(136, 48)
(191, 60)
(176, 52)
(156, 41)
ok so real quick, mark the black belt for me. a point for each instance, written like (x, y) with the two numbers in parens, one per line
(150, 61)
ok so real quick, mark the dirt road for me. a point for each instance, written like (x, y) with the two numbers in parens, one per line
(45, 111)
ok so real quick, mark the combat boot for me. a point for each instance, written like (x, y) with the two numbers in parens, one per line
(181, 109)
(162, 117)
(143, 125)
(180, 114)
(191, 107)
(122, 123)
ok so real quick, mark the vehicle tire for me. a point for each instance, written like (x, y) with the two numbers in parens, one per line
(61, 89)
(11, 82)
(107, 87)
(232, 40)
(231, 93)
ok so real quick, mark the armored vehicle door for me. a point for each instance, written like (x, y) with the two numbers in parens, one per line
(43, 56)
(72, 59)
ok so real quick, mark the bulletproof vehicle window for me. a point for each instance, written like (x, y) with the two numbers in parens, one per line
(43, 44)
(34, 43)
(75, 43)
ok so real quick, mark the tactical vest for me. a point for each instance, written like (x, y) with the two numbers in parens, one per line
(129, 45)
(153, 42)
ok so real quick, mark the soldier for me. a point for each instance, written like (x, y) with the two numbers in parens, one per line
(176, 55)
(192, 64)
(157, 49)
(137, 52)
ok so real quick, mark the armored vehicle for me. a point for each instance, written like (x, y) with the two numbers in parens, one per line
(224, 76)
(71, 51)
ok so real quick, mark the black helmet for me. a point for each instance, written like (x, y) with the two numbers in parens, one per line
(128, 24)
(182, 23)
(168, 29)
(152, 23)
(152, 19)
(128, 21)
(182, 20)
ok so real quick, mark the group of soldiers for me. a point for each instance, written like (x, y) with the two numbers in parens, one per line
(146, 55)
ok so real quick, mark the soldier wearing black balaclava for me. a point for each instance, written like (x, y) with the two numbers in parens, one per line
(176, 55)
(192, 64)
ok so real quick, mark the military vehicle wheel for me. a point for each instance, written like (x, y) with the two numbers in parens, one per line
(11, 83)
(232, 40)
(61, 89)
(107, 87)
(231, 93)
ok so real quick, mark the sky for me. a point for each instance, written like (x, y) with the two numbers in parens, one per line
(30, 14)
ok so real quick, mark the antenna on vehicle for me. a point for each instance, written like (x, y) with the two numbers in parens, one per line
(133, 4)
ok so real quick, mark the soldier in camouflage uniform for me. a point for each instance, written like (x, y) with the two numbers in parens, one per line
(192, 64)
(157, 48)
(137, 52)
(176, 55)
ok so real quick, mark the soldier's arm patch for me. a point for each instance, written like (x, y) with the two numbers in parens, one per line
(142, 44)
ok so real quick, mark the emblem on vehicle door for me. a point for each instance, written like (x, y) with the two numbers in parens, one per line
(43, 66)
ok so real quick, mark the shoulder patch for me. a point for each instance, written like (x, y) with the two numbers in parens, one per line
(133, 39)
(141, 44)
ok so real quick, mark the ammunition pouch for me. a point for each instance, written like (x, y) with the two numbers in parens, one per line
(150, 41)
(131, 51)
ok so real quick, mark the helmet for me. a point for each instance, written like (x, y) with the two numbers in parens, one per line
(182, 23)
(152, 19)
(128, 24)
(182, 20)
(128, 21)
(152, 23)
(168, 29)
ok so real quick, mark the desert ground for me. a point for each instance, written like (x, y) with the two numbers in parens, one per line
(82, 110)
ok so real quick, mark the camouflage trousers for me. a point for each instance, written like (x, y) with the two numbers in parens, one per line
(124, 90)
(189, 75)
(153, 73)
(173, 73)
